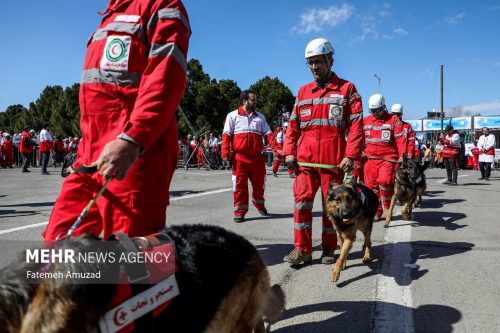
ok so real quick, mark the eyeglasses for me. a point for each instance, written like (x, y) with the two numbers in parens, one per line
(380, 109)
(316, 62)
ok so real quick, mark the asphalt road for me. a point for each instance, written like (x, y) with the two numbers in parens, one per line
(453, 242)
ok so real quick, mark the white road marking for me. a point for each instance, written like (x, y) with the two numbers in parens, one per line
(208, 173)
(394, 303)
(189, 196)
(6, 231)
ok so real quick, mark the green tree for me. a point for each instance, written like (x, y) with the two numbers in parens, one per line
(65, 118)
(10, 119)
(206, 102)
(273, 95)
(40, 111)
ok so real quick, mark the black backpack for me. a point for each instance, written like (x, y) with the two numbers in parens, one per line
(27, 142)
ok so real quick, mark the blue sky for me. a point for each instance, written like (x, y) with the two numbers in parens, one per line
(404, 42)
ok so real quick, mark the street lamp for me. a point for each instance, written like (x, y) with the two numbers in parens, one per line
(378, 78)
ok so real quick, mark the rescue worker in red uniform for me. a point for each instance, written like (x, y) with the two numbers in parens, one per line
(7, 151)
(315, 146)
(385, 145)
(133, 80)
(280, 138)
(409, 133)
(26, 148)
(451, 149)
(244, 132)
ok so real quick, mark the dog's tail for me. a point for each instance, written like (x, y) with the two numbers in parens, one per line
(275, 304)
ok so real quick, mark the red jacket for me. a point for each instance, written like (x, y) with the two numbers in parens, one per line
(409, 135)
(384, 137)
(319, 122)
(246, 135)
(7, 150)
(451, 144)
(134, 76)
(22, 148)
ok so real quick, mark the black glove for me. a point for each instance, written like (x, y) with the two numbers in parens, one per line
(292, 165)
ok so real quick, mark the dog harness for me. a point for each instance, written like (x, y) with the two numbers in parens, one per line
(144, 290)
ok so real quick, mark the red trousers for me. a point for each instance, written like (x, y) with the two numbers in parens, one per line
(379, 177)
(277, 163)
(136, 205)
(243, 170)
(305, 186)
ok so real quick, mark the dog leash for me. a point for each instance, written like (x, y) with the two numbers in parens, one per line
(323, 166)
(87, 170)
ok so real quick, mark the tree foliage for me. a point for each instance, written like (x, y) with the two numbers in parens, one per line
(206, 103)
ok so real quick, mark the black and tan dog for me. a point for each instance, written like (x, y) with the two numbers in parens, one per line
(224, 287)
(351, 207)
(409, 186)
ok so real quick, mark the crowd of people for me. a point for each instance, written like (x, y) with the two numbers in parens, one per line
(29, 149)
(129, 133)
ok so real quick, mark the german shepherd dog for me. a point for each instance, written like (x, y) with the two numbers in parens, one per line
(409, 186)
(224, 287)
(351, 207)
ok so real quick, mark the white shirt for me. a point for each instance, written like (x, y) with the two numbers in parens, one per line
(45, 136)
(280, 138)
(486, 142)
(213, 142)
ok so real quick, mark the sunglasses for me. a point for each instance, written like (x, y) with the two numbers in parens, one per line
(380, 109)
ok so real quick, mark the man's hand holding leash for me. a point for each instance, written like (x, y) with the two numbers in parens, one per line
(346, 164)
(116, 158)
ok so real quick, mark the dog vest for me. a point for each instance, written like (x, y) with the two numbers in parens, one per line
(145, 289)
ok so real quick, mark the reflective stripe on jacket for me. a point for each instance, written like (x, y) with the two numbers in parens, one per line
(384, 137)
(451, 147)
(319, 122)
(134, 75)
(246, 133)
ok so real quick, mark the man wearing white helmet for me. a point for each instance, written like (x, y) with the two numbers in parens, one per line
(385, 146)
(326, 110)
(409, 133)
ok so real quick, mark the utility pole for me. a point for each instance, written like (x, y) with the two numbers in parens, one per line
(379, 86)
(442, 98)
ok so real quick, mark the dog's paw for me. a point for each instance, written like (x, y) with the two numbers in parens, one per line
(335, 274)
(406, 215)
(387, 222)
(367, 260)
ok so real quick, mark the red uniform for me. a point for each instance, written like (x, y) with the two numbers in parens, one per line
(8, 153)
(246, 133)
(409, 135)
(451, 144)
(385, 145)
(316, 134)
(279, 157)
(22, 146)
(475, 157)
(133, 80)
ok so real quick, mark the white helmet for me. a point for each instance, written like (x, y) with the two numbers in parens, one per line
(5, 134)
(376, 101)
(318, 46)
(397, 108)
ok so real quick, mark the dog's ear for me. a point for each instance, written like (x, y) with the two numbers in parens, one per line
(332, 185)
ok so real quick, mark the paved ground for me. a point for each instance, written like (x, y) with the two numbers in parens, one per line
(453, 240)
